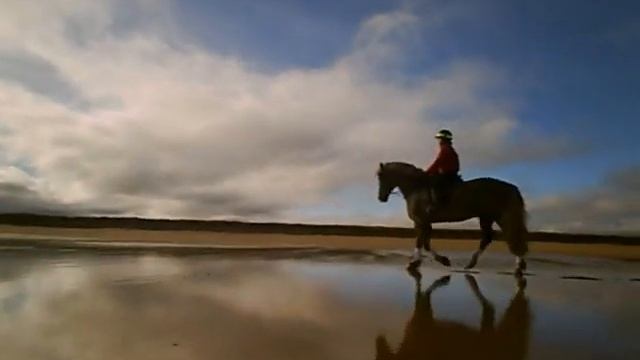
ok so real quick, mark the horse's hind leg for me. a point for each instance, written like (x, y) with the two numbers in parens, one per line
(487, 236)
(514, 233)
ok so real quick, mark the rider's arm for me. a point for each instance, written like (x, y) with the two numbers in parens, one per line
(437, 163)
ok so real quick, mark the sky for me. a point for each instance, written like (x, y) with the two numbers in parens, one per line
(281, 110)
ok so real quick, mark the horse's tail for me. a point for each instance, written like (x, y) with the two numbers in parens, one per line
(514, 220)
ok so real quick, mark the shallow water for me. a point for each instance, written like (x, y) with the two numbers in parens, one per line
(93, 306)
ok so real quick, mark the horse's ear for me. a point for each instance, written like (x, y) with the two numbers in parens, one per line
(381, 166)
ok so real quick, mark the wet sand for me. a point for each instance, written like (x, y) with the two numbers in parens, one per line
(133, 294)
(202, 238)
(91, 305)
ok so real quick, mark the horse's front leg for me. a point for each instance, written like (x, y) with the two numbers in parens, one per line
(426, 243)
(416, 258)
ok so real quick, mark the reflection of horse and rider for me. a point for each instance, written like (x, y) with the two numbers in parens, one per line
(426, 337)
(440, 195)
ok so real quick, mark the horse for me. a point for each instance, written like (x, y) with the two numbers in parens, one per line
(426, 337)
(490, 200)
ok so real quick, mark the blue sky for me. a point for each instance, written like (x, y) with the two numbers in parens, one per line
(186, 108)
(572, 66)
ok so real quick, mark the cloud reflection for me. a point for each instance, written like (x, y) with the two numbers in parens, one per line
(148, 307)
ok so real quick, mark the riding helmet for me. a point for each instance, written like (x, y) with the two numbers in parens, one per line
(444, 134)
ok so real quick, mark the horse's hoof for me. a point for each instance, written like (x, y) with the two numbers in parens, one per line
(522, 265)
(414, 264)
(470, 265)
(522, 283)
(519, 273)
(414, 272)
(444, 260)
(442, 281)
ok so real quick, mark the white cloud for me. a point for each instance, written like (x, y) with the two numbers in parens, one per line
(169, 128)
(613, 206)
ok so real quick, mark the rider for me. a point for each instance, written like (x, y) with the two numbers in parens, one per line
(444, 169)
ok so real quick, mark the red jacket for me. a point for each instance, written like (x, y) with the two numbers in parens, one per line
(446, 162)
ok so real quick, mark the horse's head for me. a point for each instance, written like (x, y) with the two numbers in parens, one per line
(396, 174)
(386, 183)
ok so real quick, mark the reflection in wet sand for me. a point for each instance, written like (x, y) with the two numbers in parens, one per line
(427, 337)
(151, 308)
(95, 307)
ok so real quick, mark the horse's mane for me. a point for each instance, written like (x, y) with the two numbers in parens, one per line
(410, 172)
(402, 166)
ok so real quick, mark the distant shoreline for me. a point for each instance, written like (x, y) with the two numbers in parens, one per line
(239, 227)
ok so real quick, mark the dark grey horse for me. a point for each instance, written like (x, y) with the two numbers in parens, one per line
(489, 200)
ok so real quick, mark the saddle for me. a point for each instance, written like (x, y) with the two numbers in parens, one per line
(442, 187)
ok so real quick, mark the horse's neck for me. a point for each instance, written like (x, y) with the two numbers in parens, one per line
(406, 191)
(408, 185)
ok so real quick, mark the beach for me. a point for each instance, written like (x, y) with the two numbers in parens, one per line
(115, 236)
(141, 294)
